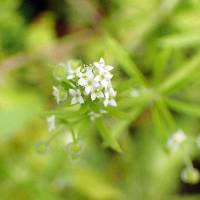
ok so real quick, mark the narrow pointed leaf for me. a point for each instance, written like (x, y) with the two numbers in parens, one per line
(107, 136)
(125, 61)
(183, 107)
(182, 76)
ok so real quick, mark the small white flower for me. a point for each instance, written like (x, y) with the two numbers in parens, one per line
(110, 92)
(134, 93)
(87, 81)
(51, 123)
(91, 86)
(109, 101)
(96, 94)
(176, 140)
(104, 78)
(84, 75)
(190, 175)
(76, 96)
(102, 66)
(71, 73)
(56, 94)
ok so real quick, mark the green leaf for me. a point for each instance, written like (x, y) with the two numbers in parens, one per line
(124, 85)
(160, 64)
(159, 126)
(181, 77)
(107, 136)
(126, 63)
(119, 114)
(181, 40)
(166, 114)
(145, 97)
(122, 124)
(184, 107)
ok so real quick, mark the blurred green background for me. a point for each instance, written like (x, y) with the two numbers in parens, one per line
(37, 34)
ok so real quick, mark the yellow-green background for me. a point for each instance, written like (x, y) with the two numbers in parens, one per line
(34, 36)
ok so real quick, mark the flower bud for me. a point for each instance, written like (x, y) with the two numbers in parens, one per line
(190, 175)
(176, 140)
(74, 150)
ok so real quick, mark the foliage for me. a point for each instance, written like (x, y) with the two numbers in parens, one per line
(151, 137)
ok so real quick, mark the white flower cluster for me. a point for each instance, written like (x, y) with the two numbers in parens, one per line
(92, 81)
(176, 140)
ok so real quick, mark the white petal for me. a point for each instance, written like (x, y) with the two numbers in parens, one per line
(90, 74)
(56, 94)
(112, 102)
(79, 74)
(107, 94)
(172, 146)
(82, 82)
(95, 84)
(176, 140)
(179, 136)
(96, 64)
(74, 100)
(70, 76)
(97, 78)
(72, 92)
(81, 100)
(109, 67)
(100, 94)
(88, 89)
(105, 102)
(78, 71)
(93, 96)
(51, 123)
(70, 71)
(102, 70)
(104, 83)
(101, 60)
(108, 75)
(113, 93)
(55, 88)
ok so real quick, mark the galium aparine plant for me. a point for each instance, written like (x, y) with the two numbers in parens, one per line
(83, 88)
(85, 91)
